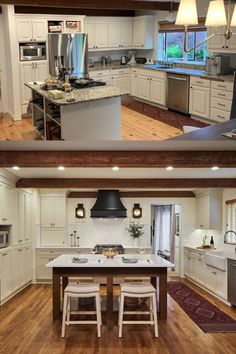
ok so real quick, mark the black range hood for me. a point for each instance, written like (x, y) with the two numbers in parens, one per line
(108, 205)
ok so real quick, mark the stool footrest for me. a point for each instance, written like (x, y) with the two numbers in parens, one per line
(80, 322)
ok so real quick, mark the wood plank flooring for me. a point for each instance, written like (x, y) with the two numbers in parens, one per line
(135, 126)
(26, 327)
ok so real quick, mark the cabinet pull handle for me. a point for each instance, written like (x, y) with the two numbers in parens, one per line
(222, 86)
(32, 65)
(220, 94)
(221, 104)
(199, 82)
(36, 65)
(220, 117)
(4, 254)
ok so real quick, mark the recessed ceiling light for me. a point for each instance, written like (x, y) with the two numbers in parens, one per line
(61, 168)
(16, 168)
(115, 168)
(169, 168)
(215, 168)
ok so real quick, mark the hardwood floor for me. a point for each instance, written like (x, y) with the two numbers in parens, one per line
(135, 126)
(26, 327)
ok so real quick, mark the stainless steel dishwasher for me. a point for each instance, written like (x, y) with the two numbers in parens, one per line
(178, 92)
(232, 281)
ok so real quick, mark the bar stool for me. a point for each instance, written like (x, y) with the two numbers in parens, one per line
(138, 290)
(81, 290)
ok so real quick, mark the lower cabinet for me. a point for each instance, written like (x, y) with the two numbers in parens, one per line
(211, 278)
(149, 86)
(199, 103)
(16, 269)
(122, 82)
(42, 258)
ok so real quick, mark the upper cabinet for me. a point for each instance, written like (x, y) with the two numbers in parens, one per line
(209, 210)
(53, 212)
(97, 33)
(143, 32)
(31, 30)
(120, 33)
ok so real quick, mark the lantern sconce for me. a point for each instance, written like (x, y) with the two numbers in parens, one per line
(137, 211)
(80, 211)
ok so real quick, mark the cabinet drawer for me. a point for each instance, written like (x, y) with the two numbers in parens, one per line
(134, 71)
(98, 73)
(226, 95)
(157, 74)
(197, 81)
(225, 86)
(223, 105)
(218, 115)
(120, 71)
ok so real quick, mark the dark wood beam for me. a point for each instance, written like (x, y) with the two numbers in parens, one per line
(169, 183)
(95, 4)
(137, 194)
(71, 11)
(184, 159)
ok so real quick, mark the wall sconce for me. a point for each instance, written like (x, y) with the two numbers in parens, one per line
(137, 211)
(80, 211)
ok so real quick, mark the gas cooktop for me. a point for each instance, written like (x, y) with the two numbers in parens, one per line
(86, 83)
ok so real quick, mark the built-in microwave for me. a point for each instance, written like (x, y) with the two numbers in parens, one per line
(4, 239)
(32, 51)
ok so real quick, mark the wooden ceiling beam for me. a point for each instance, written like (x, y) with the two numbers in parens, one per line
(131, 159)
(95, 4)
(136, 194)
(169, 183)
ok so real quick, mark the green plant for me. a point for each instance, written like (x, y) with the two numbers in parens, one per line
(174, 51)
(135, 229)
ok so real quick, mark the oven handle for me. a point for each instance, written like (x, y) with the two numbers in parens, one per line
(177, 78)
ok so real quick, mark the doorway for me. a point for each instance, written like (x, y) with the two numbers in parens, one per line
(165, 233)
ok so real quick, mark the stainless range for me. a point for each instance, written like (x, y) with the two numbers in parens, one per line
(99, 248)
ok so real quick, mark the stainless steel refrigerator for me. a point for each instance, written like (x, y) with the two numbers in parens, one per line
(68, 52)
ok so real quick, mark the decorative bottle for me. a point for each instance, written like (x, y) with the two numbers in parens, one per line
(212, 242)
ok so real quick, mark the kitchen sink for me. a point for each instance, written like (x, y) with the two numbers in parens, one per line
(157, 66)
(216, 259)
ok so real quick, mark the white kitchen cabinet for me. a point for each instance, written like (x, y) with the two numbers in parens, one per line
(28, 218)
(21, 217)
(122, 82)
(157, 91)
(31, 30)
(126, 31)
(209, 210)
(7, 204)
(199, 102)
(18, 265)
(5, 272)
(143, 87)
(221, 100)
(28, 264)
(42, 258)
(134, 85)
(30, 72)
(218, 41)
(216, 281)
(97, 31)
(143, 32)
(52, 237)
(119, 33)
(53, 212)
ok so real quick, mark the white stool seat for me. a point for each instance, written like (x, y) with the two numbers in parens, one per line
(81, 290)
(137, 288)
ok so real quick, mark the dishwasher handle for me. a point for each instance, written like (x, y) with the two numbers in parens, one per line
(177, 78)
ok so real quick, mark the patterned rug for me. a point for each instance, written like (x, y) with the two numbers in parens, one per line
(174, 119)
(207, 316)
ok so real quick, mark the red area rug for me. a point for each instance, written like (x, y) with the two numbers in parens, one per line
(207, 316)
(176, 120)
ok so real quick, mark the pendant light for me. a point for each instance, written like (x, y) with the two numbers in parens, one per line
(172, 14)
(216, 14)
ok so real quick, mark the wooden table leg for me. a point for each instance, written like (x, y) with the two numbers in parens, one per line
(163, 293)
(64, 283)
(109, 301)
(56, 296)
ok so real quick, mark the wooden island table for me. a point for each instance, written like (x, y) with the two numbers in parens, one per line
(148, 265)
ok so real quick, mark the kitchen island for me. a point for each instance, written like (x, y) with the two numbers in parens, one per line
(148, 265)
(95, 114)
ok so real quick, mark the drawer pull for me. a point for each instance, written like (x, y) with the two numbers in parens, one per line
(4, 254)
(199, 82)
(220, 94)
(221, 104)
(222, 86)
(220, 117)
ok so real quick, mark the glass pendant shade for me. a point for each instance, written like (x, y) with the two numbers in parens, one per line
(233, 20)
(187, 13)
(216, 15)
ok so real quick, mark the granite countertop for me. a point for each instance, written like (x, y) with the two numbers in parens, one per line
(175, 70)
(145, 260)
(80, 95)
(227, 255)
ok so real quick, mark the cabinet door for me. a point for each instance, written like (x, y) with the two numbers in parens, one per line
(21, 217)
(157, 91)
(28, 218)
(203, 212)
(232, 42)
(221, 284)
(28, 264)
(52, 237)
(59, 212)
(144, 87)
(6, 274)
(40, 30)
(42, 272)
(26, 75)
(134, 85)
(187, 260)
(199, 104)
(114, 30)
(101, 35)
(122, 82)
(7, 204)
(139, 32)
(24, 30)
(218, 41)
(46, 209)
(89, 28)
(126, 33)
(41, 70)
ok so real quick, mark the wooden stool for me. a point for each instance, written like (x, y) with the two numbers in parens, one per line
(138, 290)
(81, 290)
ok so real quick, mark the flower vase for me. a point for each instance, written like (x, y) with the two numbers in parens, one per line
(136, 242)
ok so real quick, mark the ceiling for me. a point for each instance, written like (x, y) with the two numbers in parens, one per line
(123, 173)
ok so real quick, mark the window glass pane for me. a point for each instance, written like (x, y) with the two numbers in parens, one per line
(200, 51)
(174, 45)
(190, 41)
